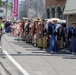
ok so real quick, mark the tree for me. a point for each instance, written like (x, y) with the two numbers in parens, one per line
(10, 6)
(0, 2)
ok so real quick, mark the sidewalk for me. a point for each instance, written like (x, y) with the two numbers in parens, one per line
(38, 62)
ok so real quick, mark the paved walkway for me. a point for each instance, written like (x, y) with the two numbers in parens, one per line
(38, 62)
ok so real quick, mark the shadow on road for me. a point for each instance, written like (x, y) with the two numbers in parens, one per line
(36, 52)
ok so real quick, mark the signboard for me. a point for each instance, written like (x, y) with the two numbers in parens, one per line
(16, 8)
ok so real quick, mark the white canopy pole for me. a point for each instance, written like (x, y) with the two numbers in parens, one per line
(67, 21)
(67, 28)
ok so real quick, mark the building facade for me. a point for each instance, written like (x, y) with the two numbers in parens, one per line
(31, 8)
(35, 8)
(22, 9)
(55, 8)
(3, 12)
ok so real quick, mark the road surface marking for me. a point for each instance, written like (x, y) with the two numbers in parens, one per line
(0, 47)
(22, 70)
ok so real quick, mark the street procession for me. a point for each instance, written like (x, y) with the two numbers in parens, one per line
(51, 35)
(37, 37)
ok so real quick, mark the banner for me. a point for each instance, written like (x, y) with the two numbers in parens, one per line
(16, 8)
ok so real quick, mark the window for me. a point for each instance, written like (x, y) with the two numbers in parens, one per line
(48, 13)
(1, 11)
(53, 12)
(59, 13)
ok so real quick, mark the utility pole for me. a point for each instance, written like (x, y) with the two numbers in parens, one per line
(7, 9)
(36, 10)
(18, 10)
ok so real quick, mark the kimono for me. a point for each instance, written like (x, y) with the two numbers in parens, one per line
(25, 31)
(40, 36)
(28, 34)
(42, 41)
(53, 45)
(61, 37)
(22, 32)
(33, 32)
(72, 36)
(17, 30)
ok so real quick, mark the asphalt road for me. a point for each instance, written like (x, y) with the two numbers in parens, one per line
(20, 58)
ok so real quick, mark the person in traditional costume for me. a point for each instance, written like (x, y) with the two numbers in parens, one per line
(7, 26)
(72, 37)
(38, 33)
(45, 35)
(52, 32)
(25, 20)
(13, 28)
(61, 36)
(42, 41)
(28, 34)
(17, 30)
(33, 32)
(22, 35)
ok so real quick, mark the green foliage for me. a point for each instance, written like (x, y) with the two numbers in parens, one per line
(10, 5)
(0, 2)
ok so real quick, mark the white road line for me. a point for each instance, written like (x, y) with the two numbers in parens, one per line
(0, 47)
(22, 70)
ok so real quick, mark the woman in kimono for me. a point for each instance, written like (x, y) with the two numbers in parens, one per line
(13, 28)
(52, 32)
(72, 37)
(22, 31)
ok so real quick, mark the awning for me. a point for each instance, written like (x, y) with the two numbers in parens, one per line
(70, 7)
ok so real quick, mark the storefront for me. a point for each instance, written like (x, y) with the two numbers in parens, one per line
(70, 10)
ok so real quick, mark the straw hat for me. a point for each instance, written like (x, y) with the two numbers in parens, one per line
(25, 18)
(73, 22)
(37, 20)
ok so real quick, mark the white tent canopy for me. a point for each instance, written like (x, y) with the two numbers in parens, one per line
(58, 20)
(70, 7)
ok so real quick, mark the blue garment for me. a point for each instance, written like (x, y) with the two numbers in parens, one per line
(73, 44)
(73, 39)
(53, 43)
(53, 40)
(8, 30)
